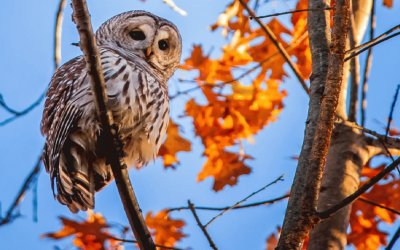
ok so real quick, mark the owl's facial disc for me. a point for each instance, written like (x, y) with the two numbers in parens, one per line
(166, 49)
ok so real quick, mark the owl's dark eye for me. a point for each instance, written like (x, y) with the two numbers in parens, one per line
(137, 35)
(163, 44)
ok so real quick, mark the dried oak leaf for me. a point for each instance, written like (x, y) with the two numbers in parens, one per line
(91, 234)
(166, 231)
(173, 144)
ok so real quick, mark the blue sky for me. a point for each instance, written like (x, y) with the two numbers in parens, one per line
(26, 67)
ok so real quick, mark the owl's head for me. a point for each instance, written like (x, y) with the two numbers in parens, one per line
(141, 34)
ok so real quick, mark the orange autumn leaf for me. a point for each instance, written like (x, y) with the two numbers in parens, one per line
(166, 231)
(365, 218)
(91, 234)
(388, 3)
(173, 144)
(272, 240)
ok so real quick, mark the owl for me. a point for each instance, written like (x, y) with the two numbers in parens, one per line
(139, 52)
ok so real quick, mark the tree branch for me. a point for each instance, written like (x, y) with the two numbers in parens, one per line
(280, 178)
(325, 89)
(10, 214)
(355, 72)
(392, 241)
(379, 205)
(115, 153)
(277, 44)
(328, 212)
(291, 12)
(365, 46)
(203, 229)
(367, 67)
(58, 32)
(255, 204)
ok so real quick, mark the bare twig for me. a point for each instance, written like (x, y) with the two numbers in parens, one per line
(255, 204)
(280, 178)
(157, 245)
(355, 73)
(367, 67)
(114, 153)
(203, 228)
(392, 241)
(18, 114)
(10, 214)
(58, 32)
(365, 46)
(291, 12)
(379, 205)
(277, 44)
(349, 199)
(392, 110)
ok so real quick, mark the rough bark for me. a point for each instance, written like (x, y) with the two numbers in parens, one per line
(347, 155)
(325, 88)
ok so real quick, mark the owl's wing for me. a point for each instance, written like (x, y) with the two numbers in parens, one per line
(60, 117)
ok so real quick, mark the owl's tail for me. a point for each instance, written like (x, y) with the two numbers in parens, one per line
(73, 177)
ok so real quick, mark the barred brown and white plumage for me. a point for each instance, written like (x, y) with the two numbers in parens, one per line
(139, 52)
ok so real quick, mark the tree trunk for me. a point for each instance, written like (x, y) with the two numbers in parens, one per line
(348, 153)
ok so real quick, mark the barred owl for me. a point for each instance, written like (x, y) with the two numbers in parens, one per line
(139, 52)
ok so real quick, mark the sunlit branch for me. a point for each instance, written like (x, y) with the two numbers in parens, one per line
(365, 46)
(277, 44)
(291, 12)
(58, 32)
(202, 227)
(114, 155)
(367, 67)
(174, 7)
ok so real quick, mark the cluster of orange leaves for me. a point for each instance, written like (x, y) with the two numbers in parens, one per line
(90, 234)
(93, 233)
(237, 108)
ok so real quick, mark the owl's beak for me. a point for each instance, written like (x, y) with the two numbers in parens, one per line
(148, 52)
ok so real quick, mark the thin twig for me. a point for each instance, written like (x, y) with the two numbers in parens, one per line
(280, 178)
(361, 190)
(379, 205)
(255, 204)
(392, 241)
(392, 110)
(367, 67)
(114, 155)
(245, 73)
(203, 228)
(18, 114)
(277, 44)
(355, 72)
(58, 32)
(157, 245)
(10, 214)
(291, 12)
(365, 46)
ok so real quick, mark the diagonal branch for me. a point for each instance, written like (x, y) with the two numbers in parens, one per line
(291, 12)
(280, 178)
(367, 67)
(365, 46)
(10, 214)
(202, 227)
(364, 188)
(255, 204)
(58, 32)
(115, 153)
(277, 44)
